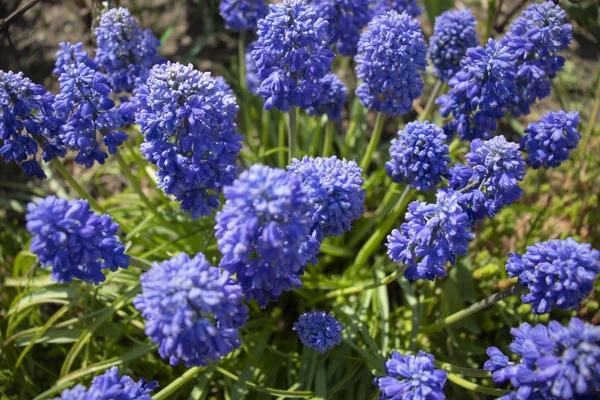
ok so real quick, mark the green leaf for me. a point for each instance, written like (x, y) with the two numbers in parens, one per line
(436, 7)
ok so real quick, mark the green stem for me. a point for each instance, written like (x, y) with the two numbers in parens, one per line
(481, 305)
(291, 133)
(426, 114)
(264, 129)
(271, 391)
(242, 58)
(490, 20)
(136, 184)
(349, 139)
(374, 242)
(77, 187)
(475, 387)
(375, 137)
(470, 372)
(316, 138)
(329, 127)
(366, 286)
(138, 263)
(281, 138)
(177, 383)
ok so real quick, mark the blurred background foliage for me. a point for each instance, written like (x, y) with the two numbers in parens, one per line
(79, 330)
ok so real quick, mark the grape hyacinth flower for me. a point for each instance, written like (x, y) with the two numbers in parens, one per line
(391, 52)
(252, 82)
(330, 98)
(558, 273)
(69, 54)
(535, 38)
(409, 6)
(84, 102)
(110, 385)
(319, 331)
(334, 189)
(556, 361)
(187, 119)
(26, 115)
(73, 240)
(479, 92)
(433, 235)
(291, 55)
(124, 50)
(346, 19)
(548, 142)
(453, 33)
(263, 232)
(492, 178)
(411, 377)
(192, 310)
(419, 156)
(242, 15)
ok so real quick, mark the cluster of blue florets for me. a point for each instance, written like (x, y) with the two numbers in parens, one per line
(409, 6)
(291, 55)
(192, 310)
(241, 15)
(491, 180)
(189, 133)
(453, 33)
(124, 50)
(535, 38)
(433, 235)
(411, 377)
(330, 98)
(558, 273)
(547, 143)
(556, 361)
(73, 240)
(419, 156)
(479, 91)
(111, 385)
(391, 55)
(319, 331)
(27, 123)
(346, 18)
(335, 191)
(263, 232)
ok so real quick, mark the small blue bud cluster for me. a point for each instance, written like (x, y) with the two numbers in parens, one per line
(319, 331)
(242, 15)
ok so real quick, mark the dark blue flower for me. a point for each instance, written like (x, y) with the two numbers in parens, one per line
(334, 189)
(69, 54)
(263, 232)
(548, 142)
(419, 156)
(84, 102)
(346, 19)
(409, 6)
(111, 386)
(479, 91)
(242, 15)
(124, 50)
(556, 362)
(187, 119)
(492, 179)
(433, 235)
(453, 33)
(26, 118)
(535, 39)
(558, 273)
(291, 55)
(319, 331)
(411, 378)
(73, 240)
(391, 53)
(192, 310)
(330, 98)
